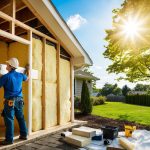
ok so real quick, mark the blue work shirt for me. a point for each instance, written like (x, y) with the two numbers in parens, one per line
(12, 83)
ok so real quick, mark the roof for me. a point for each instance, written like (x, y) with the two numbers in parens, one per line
(53, 21)
(84, 75)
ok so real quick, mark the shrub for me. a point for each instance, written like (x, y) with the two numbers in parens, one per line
(98, 100)
(77, 102)
(86, 105)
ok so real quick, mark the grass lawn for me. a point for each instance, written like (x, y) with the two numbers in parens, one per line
(123, 111)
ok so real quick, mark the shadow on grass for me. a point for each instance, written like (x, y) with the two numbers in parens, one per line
(123, 117)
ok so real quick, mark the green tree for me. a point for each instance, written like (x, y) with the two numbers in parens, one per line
(128, 41)
(86, 104)
(110, 89)
(125, 90)
(142, 87)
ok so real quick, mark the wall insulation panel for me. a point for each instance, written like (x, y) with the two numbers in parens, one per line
(3, 58)
(37, 85)
(65, 104)
(51, 96)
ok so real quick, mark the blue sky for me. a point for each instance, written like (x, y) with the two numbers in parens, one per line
(88, 20)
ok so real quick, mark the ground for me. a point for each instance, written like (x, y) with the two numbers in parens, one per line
(51, 142)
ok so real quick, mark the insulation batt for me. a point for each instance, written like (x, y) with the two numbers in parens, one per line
(51, 105)
(50, 94)
(50, 70)
(36, 114)
(126, 144)
(65, 104)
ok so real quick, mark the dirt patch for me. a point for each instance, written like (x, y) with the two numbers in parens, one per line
(97, 122)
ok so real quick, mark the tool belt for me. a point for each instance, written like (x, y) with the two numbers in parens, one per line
(9, 102)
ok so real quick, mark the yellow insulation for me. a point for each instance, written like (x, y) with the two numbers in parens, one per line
(51, 96)
(51, 105)
(65, 104)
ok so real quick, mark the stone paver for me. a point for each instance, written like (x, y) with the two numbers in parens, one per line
(51, 142)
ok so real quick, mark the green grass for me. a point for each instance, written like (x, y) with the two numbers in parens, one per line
(123, 111)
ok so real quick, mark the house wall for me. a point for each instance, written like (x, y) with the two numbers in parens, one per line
(20, 51)
(78, 87)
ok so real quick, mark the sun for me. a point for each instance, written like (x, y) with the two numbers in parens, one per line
(131, 28)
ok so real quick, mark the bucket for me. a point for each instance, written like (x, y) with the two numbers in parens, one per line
(129, 130)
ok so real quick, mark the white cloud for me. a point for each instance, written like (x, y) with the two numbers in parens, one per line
(75, 22)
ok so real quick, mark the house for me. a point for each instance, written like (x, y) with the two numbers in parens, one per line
(34, 32)
(78, 80)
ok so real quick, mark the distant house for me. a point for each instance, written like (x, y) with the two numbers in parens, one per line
(79, 77)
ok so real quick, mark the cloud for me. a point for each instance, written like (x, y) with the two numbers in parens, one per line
(75, 22)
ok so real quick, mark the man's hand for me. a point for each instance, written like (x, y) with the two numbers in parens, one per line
(27, 69)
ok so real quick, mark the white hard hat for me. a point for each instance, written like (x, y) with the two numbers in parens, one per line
(13, 62)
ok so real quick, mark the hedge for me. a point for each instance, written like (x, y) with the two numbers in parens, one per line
(138, 99)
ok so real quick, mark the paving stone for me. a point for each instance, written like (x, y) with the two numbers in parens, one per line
(25, 147)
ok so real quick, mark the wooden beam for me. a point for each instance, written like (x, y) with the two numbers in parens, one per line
(43, 86)
(58, 82)
(26, 27)
(72, 89)
(14, 37)
(30, 84)
(13, 12)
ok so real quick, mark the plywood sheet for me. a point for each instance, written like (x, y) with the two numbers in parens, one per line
(65, 104)
(50, 70)
(51, 104)
(36, 114)
(3, 58)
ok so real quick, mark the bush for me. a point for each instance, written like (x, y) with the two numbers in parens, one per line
(98, 100)
(138, 99)
(86, 105)
(77, 103)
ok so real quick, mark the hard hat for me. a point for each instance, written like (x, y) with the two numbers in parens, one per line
(13, 62)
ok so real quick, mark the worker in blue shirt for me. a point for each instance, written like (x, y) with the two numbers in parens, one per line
(13, 103)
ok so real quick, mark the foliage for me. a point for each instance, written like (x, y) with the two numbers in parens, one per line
(86, 104)
(130, 55)
(77, 103)
(123, 111)
(110, 89)
(142, 87)
(138, 99)
(98, 100)
(125, 90)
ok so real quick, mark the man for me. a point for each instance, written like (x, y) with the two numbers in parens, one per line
(13, 104)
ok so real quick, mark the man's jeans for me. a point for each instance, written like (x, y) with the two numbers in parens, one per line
(8, 113)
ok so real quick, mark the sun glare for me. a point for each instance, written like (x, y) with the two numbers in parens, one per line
(131, 28)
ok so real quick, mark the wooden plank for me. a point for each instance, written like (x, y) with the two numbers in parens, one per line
(13, 12)
(72, 89)
(14, 37)
(43, 87)
(26, 27)
(58, 83)
(30, 84)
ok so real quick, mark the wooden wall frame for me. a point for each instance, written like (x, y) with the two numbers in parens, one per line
(30, 31)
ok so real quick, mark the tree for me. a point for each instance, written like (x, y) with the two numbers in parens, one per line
(128, 41)
(110, 89)
(142, 87)
(86, 105)
(125, 90)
